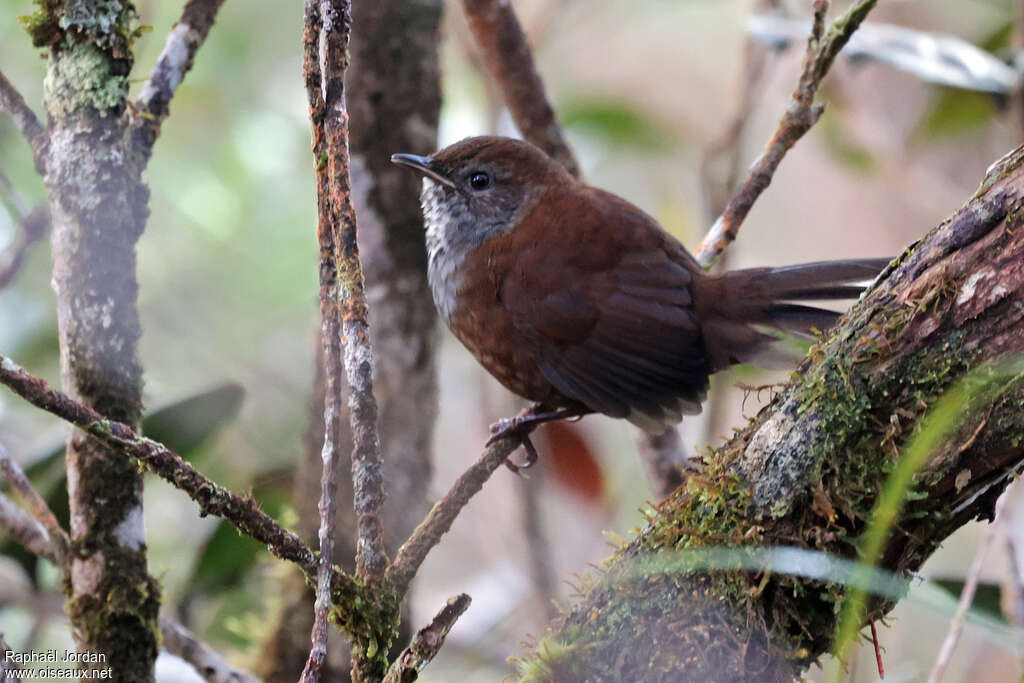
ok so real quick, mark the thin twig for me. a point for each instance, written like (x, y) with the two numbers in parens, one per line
(36, 505)
(212, 498)
(12, 102)
(184, 40)
(879, 664)
(509, 61)
(427, 642)
(440, 518)
(179, 641)
(33, 225)
(27, 531)
(325, 39)
(956, 626)
(799, 117)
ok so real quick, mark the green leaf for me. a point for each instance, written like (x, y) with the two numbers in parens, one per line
(615, 121)
(227, 556)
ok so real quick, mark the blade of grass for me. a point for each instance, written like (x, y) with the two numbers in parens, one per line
(948, 414)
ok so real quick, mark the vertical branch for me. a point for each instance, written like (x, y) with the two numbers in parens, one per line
(344, 312)
(510, 63)
(313, 40)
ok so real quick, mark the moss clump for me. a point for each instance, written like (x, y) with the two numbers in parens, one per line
(43, 25)
(373, 621)
(119, 617)
(82, 77)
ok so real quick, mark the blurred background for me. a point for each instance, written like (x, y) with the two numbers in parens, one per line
(228, 281)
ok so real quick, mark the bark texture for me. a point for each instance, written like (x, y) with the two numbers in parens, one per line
(99, 208)
(807, 470)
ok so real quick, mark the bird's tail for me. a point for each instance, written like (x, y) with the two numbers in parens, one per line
(745, 302)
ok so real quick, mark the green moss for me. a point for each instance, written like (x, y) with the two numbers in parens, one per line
(43, 25)
(108, 24)
(81, 77)
(119, 617)
(373, 621)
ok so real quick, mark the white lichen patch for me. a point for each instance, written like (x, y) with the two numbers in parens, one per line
(9, 365)
(967, 291)
(131, 532)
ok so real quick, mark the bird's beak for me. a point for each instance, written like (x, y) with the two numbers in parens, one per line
(421, 165)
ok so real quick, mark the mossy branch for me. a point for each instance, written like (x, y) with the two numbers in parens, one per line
(807, 471)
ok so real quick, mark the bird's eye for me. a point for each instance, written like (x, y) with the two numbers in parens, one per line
(479, 180)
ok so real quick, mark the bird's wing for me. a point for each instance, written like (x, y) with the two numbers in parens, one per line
(621, 339)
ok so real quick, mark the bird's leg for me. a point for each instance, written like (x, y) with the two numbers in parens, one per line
(524, 423)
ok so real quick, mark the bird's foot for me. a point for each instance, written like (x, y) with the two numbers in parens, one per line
(522, 425)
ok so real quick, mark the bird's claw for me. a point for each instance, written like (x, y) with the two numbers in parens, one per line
(531, 457)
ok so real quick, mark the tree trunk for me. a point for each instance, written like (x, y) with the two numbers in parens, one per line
(99, 208)
(807, 470)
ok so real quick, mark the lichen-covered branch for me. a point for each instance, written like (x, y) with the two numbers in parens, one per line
(427, 642)
(325, 86)
(394, 101)
(344, 310)
(510, 63)
(325, 57)
(799, 117)
(183, 42)
(12, 102)
(807, 470)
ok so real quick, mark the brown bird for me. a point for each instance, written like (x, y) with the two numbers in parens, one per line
(579, 301)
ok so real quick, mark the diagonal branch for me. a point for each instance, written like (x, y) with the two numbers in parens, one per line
(37, 506)
(28, 531)
(427, 642)
(183, 42)
(33, 225)
(799, 117)
(510, 63)
(12, 102)
(440, 518)
(179, 641)
(212, 498)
